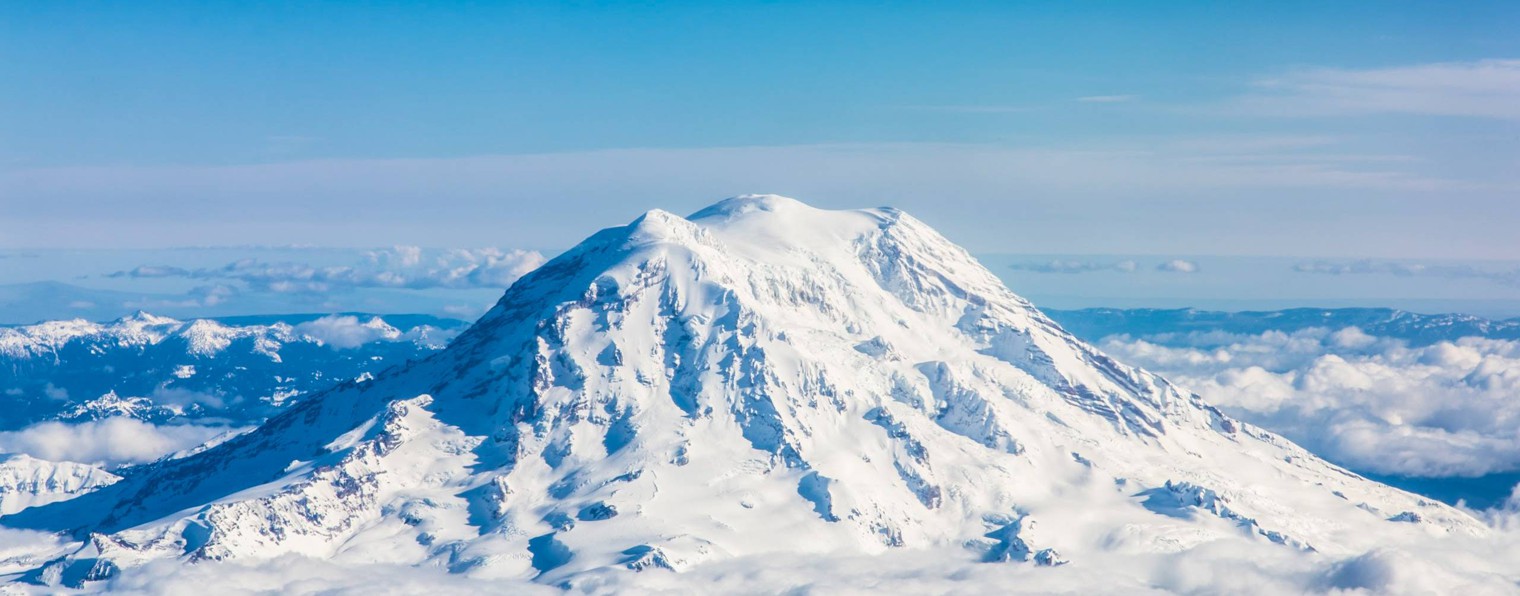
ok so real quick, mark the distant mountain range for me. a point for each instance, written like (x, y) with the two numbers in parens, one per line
(238, 369)
(1093, 324)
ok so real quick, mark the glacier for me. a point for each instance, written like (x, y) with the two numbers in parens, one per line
(760, 379)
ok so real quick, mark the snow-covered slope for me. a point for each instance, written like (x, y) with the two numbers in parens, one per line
(760, 377)
(158, 369)
(29, 482)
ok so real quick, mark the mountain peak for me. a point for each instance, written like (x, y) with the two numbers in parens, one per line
(660, 226)
(743, 204)
(142, 317)
(758, 226)
(759, 378)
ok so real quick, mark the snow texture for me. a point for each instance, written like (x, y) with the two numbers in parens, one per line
(760, 384)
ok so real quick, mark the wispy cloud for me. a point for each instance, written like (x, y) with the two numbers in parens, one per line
(1408, 269)
(399, 267)
(972, 109)
(197, 297)
(1075, 266)
(1107, 98)
(1070, 266)
(1481, 89)
(546, 199)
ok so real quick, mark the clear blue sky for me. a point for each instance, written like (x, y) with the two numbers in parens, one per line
(1335, 129)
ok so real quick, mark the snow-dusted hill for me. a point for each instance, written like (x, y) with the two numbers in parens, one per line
(760, 378)
(160, 369)
(28, 482)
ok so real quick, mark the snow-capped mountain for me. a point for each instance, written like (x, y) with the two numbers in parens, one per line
(160, 369)
(28, 481)
(760, 377)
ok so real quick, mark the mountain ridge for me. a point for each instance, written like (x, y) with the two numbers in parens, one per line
(1418, 328)
(684, 390)
(168, 370)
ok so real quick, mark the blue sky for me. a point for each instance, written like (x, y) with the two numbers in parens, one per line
(236, 83)
(1304, 130)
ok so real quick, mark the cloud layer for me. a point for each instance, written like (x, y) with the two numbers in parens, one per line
(406, 267)
(1409, 269)
(1481, 89)
(108, 442)
(1075, 266)
(1107, 196)
(1371, 403)
(1097, 265)
(1226, 566)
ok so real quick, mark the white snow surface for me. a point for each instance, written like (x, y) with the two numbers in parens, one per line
(202, 337)
(28, 482)
(760, 380)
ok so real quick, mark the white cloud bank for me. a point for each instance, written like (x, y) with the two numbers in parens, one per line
(1477, 566)
(347, 331)
(108, 442)
(1371, 403)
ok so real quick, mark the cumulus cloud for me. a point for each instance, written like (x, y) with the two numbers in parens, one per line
(1075, 266)
(108, 442)
(1481, 89)
(1178, 266)
(345, 331)
(1371, 403)
(1408, 269)
(407, 267)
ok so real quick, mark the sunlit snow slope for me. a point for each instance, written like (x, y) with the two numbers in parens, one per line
(28, 482)
(761, 376)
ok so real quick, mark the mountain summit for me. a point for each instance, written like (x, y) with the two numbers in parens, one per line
(759, 377)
